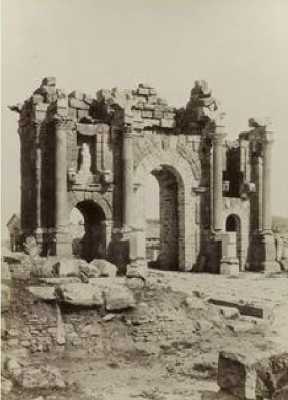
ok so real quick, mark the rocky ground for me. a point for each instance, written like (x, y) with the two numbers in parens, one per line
(165, 347)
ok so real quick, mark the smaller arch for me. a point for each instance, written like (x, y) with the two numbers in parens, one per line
(77, 197)
(233, 223)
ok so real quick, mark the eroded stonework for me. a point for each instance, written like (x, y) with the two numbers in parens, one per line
(95, 153)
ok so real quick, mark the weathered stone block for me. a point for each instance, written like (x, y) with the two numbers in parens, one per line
(119, 299)
(80, 294)
(167, 123)
(46, 293)
(250, 375)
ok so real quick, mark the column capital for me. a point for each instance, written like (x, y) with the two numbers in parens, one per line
(128, 131)
(267, 137)
(218, 134)
(63, 123)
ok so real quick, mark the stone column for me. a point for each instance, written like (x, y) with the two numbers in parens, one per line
(128, 188)
(63, 242)
(217, 142)
(267, 238)
(38, 182)
(266, 182)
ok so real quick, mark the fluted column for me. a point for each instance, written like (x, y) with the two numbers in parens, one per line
(63, 244)
(127, 156)
(217, 142)
(38, 178)
(267, 243)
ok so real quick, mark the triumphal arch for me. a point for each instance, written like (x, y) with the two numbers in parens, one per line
(95, 153)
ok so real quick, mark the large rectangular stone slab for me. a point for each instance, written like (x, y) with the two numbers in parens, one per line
(252, 310)
(252, 376)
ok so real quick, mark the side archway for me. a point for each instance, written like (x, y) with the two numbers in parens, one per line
(96, 220)
(233, 224)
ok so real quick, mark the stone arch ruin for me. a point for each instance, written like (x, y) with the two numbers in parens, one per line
(82, 149)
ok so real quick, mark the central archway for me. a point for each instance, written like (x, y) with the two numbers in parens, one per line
(177, 207)
(92, 243)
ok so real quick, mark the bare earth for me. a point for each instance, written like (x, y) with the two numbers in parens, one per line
(171, 353)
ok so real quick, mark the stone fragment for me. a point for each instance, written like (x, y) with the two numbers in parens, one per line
(5, 297)
(229, 312)
(91, 269)
(41, 377)
(46, 293)
(13, 368)
(6, 386)
(67, 267)
(91, 330)
(193, 303)
(105, 268)
(80, 294)
(135, 283)
(252, 376)
(108, 317)
(281, 394)
(119, 299)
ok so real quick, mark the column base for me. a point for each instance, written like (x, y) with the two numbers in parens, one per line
(270, 266)
(229, 266)
(63, 243)
(268, 261)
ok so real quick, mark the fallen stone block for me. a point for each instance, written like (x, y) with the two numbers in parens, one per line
(41, 377)
(90, 270)
(45, 293)
(251, 310)
(119, 299)
(6, 386)
(230, 312)
(252, 376)
(105, 268)
(80, 294)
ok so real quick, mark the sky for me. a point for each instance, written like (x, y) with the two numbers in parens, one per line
(239, 47)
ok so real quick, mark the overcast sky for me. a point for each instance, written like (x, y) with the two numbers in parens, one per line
(239, 47)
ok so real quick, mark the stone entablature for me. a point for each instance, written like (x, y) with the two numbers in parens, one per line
(97, 151)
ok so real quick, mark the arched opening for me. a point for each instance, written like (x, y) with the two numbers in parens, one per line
(163, 193)
(233, 224)
(88, 230)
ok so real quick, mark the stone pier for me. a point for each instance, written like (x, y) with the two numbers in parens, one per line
(217, 143)
(127, 155)
(267, 240)
(63, 241)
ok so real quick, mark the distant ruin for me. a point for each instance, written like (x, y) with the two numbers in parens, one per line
(94, 153)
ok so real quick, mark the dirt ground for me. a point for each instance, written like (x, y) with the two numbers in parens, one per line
(168, 349)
